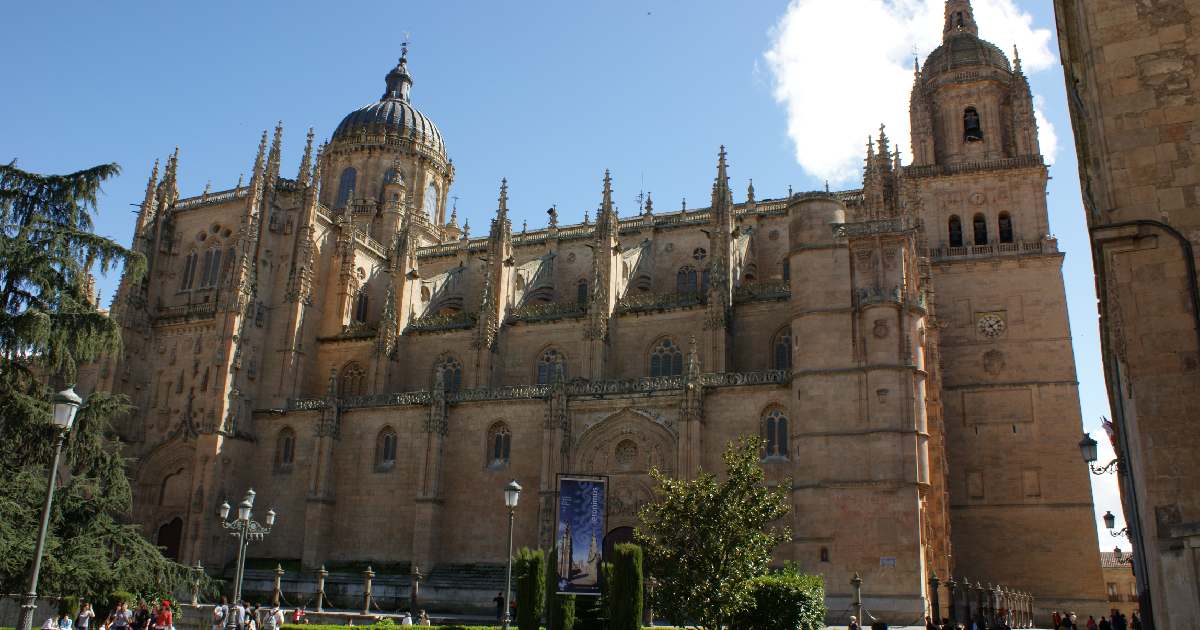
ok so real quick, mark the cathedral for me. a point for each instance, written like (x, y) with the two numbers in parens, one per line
(340, 343)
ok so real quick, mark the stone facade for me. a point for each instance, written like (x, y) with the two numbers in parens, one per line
(1131, 74)
(1119, 583)
(378, 374)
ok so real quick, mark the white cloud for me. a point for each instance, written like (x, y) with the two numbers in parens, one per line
(1046, 134)
(842, 67)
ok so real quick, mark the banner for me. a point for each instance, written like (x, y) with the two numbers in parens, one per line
(582, 504)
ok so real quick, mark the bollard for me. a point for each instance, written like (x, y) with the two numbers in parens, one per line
(368, 575)
(278, 585)
(197, 571)
(856, 583)
(935, 612)
(414, 595)
(321, 575)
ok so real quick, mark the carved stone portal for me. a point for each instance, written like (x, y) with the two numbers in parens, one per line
(625, 447)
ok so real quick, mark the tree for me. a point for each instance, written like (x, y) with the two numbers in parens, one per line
(706, 538)
(560, 609)
(531, 588)
(784, 600)
(626, 590)
(49, 326)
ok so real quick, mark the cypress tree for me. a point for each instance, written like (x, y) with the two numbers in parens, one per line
(560, 609)
(625, 598)
(531, 588)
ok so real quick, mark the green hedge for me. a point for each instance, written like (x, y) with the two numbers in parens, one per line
(787, 600)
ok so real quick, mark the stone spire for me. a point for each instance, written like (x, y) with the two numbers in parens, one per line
(273, 158)
(750, 193)
(501, 224)
(146, 212)
(606, 216)
(399, 81)
(960, 18)
(302, 177)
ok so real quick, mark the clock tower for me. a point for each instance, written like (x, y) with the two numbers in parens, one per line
(1011, 402)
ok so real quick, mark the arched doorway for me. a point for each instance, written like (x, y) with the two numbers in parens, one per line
(169, 537)
(616, 536)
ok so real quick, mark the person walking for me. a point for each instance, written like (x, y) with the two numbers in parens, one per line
(141, 617)
(1118, 620)
(84, 619)
(121, 617)
(220, 613)
(1105, 624)
(164, 620)
(1136, 622)
(499, 601)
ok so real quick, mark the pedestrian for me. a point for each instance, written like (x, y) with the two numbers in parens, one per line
(1118, 620)
(84, 619)
(299, 616)
(1056, 619)
(853, 624)
(64, 621)
(220, 613)
(929, 624)
(1136, 622)
(423, 619)
(251, 617)
(50, 623)
(121, 617)
(141, 617)
(1104, 624)
(406, 619)
(164, 620)
(273, 620)
(499, 601)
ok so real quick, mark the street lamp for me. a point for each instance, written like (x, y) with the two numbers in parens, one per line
(512, 492)
(1089, 449)
(245, 529)
(1110, 522)
(66, 404)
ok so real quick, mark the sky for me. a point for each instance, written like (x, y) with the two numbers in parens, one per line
(546, 94)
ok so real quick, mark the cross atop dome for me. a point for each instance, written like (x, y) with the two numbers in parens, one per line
(960, 18)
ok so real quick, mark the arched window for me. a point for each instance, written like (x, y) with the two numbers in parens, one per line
(1006, 228)
(189, 271)
(787, 269)
(972, 130)
(346, 186)
(206, 263)
(499, 445)
(581, 292)
(781, 350)
(285, 449)
(547, 364)
(352, 380)
(980, 227)
(431, 199)
(666, 359)
(704, 281)
(360, 306)
(226, 267)
(685, 279)
(775, 430)
(451, 373)
(955, 231)
(385, 449)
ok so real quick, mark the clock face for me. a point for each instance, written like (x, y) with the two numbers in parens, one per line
(991, 325)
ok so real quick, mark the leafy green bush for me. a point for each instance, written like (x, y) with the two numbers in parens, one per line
(531, 588)
(625, 592)
(786, 600)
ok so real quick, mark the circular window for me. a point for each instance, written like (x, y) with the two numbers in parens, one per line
(201, 236)
(699, 253)
(215, 228)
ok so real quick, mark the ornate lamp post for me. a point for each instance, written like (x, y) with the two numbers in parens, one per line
(512, 492)
(245, 529)
(1088, 448)
(66, 403)
(856, 584)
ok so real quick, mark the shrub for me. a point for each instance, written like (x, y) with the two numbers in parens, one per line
(786, 600)
(531, 588)
(625, 592)
(560, 609)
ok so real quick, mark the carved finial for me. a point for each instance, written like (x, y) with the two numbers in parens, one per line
(750, 191)
(151, 185)
(1016, 60)
(524, 226)
(466, 233)
(306, 161)
(827, 185)
(683, 205)
(502, 209)
(587, 218)
(553, 212)
(207, 188)
(241, 179)
(649, 205)
(606, 198)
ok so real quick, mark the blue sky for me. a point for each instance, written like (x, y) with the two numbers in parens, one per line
(547, 94)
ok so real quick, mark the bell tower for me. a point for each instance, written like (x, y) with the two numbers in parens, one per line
(1010, 397)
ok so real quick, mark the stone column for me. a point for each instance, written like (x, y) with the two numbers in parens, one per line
(321, 575)
(952, 592)
(966, 595)
(278, 585)
(197, 571)
(414, 596)
(368, 575)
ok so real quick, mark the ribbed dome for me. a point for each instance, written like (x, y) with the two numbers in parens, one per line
(964, 49)
(395, 113)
